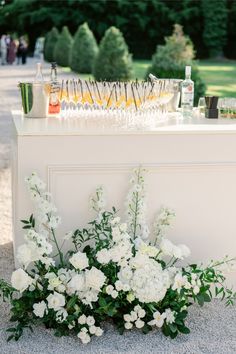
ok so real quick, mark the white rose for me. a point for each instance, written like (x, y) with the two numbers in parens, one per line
(94, 278)
(92, 329)
(82, 319)
(109, 289)
(196, 289)
(99, 332)
(79, 260)
(127, 318)
(77, 283)
(40, 309)
(84, 337)
(90, 320)
(128, 325)
(54, 282)
(139, 323)
(103, 256)
(141, 313)
(114, 294)
(56, 301)
(20, 280)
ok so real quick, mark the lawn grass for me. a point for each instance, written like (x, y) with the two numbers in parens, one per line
(219, 76)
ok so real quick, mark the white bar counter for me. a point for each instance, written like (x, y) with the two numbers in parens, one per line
(191, 163)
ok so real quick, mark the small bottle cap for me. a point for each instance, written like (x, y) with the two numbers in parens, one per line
(187, 70)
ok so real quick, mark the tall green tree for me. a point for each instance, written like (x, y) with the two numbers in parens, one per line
(62, 50)
(215, 26)
(84, 50)
(113, 62)
(170, 60)
(50, 43)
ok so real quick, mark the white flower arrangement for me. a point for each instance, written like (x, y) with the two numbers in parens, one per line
(114, 271)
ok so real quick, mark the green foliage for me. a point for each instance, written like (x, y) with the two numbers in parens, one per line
(215, 26)
(62, 50)
(50, 43)
(84, 50)
(131, 17)
(170, 60)
(113, 61)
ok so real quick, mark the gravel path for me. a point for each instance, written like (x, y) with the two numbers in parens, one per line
(213, 328)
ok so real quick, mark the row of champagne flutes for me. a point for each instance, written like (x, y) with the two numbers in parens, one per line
(116, 103)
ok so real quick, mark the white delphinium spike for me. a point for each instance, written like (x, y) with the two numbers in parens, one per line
(97, 201)
(162, 222)
(45, 216)
(136, 206)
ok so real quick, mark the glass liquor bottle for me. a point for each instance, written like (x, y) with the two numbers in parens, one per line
(54, 103)
(187, 93)
(39, 75)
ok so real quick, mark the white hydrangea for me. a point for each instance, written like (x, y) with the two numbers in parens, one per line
(145, 278)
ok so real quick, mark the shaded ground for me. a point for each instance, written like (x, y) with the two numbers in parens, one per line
(213, 328)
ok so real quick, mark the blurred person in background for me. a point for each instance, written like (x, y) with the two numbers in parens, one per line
(22, 51)
(11, 51)
(3, 48)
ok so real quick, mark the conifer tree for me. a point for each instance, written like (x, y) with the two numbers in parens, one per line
(84, 50)
(113, 62)
(50, 43)
(62, 50)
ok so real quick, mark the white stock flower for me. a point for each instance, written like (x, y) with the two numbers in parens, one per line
(79, 260)
(94, 279)
(115, 221)
(54, 221)
(56, 301)
(20, 280)
(40, 309)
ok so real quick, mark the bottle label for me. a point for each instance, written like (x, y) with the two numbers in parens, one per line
(187, 96)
